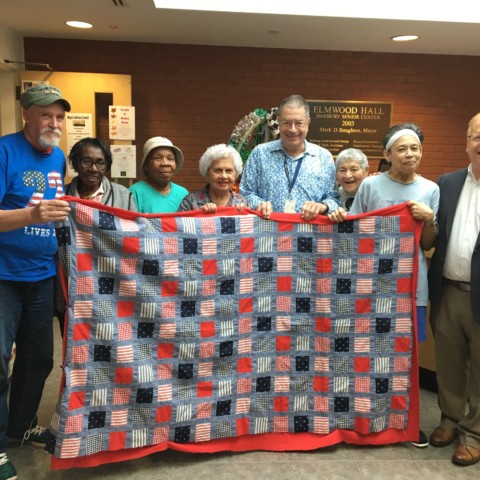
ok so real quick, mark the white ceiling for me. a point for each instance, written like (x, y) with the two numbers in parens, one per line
(139, 21)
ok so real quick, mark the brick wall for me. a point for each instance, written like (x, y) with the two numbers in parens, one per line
(195, 95)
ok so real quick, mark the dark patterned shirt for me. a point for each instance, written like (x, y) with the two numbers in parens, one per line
(196, 200)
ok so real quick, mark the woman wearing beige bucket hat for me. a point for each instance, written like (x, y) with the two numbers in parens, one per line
(157, 193)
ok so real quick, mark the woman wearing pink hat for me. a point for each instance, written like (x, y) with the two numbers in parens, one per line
(157, 193)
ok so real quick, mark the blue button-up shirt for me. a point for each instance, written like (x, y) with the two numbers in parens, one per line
(265, 179)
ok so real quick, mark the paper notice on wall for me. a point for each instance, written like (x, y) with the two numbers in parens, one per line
(78, 126)
(124, 163)
(121, 122)
(31, 83)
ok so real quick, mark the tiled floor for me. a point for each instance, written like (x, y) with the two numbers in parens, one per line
(342, 462)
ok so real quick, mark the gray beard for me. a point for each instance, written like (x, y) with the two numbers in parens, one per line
(48, 142)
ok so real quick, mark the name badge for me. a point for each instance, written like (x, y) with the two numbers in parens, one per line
(289, 207)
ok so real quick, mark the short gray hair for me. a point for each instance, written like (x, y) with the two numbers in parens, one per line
(294, 101)
(471, 122)
(217, 152)
(351, 155)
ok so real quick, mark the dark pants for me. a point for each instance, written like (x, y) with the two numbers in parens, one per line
(26, 319)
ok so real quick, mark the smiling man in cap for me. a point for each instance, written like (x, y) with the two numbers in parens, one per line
(157, 193)
(43, 113)
(32, 168)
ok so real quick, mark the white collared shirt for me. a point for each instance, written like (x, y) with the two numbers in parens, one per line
(465, 230)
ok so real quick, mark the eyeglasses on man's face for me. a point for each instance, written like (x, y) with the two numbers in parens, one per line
(286, 124)
(87, 162)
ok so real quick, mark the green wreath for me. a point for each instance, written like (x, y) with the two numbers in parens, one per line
(257, 127)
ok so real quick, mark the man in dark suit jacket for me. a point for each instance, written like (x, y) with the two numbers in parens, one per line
(454, 286)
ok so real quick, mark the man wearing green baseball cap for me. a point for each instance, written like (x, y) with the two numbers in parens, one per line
(43, 95)
(32, 169)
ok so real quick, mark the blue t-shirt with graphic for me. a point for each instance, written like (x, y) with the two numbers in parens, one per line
(28, 175)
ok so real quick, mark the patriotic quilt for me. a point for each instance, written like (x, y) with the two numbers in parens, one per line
(204, 333)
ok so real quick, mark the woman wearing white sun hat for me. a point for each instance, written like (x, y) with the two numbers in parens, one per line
(157, 193)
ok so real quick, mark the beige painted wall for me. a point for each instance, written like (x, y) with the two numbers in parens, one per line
(11, 48)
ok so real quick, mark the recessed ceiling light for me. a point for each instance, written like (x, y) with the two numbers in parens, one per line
(77, 24)
(404, 38)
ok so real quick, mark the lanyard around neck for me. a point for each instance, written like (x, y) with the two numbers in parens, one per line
(291, 183)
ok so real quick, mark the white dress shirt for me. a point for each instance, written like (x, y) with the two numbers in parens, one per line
(465, 230)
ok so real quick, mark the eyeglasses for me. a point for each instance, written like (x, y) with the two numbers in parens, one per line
(87, 162)
(296, 123)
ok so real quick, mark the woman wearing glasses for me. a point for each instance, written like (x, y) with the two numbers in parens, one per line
(91, 158)
(401, 183)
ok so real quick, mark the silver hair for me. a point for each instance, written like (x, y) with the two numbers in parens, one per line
(294, 101)
(217, 152)
(471, 122)
(351, 155)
